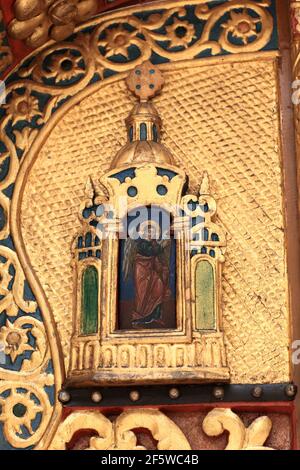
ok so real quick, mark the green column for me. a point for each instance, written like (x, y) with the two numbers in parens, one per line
(89, 301)
(205, 296)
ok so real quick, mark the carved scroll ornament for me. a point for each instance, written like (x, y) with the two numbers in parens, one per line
(120, 436)
(37, 21)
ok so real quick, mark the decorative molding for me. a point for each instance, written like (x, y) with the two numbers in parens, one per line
(119, 435)
(220, 420)
(36, 23)
(22, 389)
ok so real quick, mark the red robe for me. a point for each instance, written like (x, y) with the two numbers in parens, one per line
(151, 278)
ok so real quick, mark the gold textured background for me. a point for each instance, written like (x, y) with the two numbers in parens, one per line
(220, 118)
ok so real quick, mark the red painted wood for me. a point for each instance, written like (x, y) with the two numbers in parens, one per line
(295, 428)
(268, 407)
(7, 9)
(287, 408)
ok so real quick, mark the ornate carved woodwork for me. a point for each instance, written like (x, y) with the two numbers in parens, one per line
(61, 133)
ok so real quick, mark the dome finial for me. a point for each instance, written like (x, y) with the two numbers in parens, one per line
(145, 81)
(143, 123)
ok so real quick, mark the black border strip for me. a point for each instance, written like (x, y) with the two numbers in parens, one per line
(182, 394)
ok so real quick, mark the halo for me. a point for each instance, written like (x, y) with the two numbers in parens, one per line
(150, 223)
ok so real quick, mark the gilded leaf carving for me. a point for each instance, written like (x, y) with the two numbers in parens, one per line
(119, 435)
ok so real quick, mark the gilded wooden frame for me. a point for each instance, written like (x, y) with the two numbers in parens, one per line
(30, 147)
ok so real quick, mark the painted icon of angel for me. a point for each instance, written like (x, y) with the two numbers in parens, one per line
(147, 261)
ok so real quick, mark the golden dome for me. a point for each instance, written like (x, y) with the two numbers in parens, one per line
(142, 152)
(143, 123)
(143, 146)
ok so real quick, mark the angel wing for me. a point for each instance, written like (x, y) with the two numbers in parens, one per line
(166, 245)
(130, 251)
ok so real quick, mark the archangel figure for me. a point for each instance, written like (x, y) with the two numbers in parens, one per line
(147, 260)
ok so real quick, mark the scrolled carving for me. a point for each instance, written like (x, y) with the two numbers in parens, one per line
(16, 342)
(62, 70)
(84, 420)
(164, 430)
(119, 435)
(240, 438)
(22, 391)
(248, 30)
(12, 297)
(252, 30)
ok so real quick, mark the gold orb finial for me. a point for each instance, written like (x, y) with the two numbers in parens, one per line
(145, 81)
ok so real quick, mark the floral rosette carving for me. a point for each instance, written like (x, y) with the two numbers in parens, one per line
(25, 368)
(21, 413)
(25, 406)
(173, 33)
